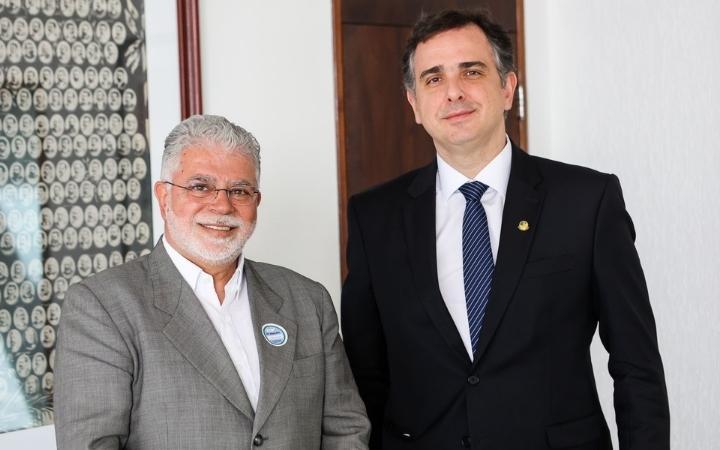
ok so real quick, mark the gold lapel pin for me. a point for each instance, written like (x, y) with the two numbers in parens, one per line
(523, 225)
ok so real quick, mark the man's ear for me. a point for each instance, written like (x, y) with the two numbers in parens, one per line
(410, 95)
(509, 89)
(162, 190)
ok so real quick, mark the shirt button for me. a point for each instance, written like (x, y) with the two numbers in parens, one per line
(473, 380)
(258, 440)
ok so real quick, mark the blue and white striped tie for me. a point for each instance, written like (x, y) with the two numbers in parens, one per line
(478, 266)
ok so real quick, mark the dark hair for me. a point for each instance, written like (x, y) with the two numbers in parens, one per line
(430, 25)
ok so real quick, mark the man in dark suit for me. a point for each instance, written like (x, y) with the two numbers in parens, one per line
(476, 283)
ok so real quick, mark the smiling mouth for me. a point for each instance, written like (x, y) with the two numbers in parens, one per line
(217, 227)
(459, 114)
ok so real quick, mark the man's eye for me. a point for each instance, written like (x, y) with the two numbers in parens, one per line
(473, 73)
(199, 188)
(240, 193)
(432, 80)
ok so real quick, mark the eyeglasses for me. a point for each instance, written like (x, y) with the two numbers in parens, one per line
(207, 193)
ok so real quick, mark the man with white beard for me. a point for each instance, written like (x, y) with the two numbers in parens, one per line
(194, 346)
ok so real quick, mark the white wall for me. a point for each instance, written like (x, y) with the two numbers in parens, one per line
(268, 66)
(629, 87)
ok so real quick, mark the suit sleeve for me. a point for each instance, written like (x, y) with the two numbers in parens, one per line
(362, 330)
(93, 377)
(627, 329)
(345, 424)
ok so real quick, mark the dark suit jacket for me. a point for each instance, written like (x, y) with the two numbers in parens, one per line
(531, 386)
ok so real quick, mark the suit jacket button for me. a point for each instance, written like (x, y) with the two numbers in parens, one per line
(466, 442)
(258, 440)
(406, 436)
(473, 380)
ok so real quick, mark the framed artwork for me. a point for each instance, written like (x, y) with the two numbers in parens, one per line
(75, 182)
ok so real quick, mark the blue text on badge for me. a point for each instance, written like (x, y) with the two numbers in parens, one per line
(274, 334)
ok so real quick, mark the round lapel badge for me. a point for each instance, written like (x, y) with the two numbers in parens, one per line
(274, 334)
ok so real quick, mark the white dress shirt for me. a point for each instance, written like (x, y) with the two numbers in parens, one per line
(449, 212)
(231, 319)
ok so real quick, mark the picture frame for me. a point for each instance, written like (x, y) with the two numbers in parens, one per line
(173, 92)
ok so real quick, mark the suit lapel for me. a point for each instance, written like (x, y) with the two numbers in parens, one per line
(419, 222)
(523, 201)
(191, 332)
(276, 362)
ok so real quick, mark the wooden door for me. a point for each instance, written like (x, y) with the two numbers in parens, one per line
(378, 138)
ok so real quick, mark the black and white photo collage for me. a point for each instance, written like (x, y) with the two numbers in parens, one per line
(75, 190)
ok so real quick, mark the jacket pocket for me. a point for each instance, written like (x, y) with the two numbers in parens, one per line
(307, 366)
(576, 432)
(546, 266)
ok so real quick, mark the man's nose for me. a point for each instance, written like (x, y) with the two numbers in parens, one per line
(222, 203)
(454, 89)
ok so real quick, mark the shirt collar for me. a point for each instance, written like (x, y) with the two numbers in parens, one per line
(191, 273)
(495, 174)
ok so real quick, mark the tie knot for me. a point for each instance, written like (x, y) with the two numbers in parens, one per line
(473, 190)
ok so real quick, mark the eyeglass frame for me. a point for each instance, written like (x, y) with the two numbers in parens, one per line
(213, 193)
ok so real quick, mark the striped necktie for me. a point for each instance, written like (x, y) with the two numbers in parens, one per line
(478, 265)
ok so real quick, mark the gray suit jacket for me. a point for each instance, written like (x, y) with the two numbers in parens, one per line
(140, 365)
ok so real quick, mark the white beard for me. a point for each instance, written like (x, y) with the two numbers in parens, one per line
(208, 251)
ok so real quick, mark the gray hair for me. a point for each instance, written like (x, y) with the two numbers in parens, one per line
(204, 129)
